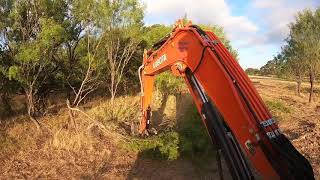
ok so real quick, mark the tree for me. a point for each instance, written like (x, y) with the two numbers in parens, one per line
(154, 33)
(305, 38)
(84, 67)
(252, 71)
(120, 23)
(301, 54)
(270, 68)
(32, 34)
(7, 87)
(296, 67)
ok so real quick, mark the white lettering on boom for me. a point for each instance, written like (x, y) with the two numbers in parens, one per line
(158, 62)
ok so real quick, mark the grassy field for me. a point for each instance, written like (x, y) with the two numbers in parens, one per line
(101, 146)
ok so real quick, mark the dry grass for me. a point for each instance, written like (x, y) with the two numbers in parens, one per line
(94, 148)
(58, 151)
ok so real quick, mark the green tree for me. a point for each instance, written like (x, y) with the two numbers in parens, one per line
(301, 54)
(252, 71)
(295, 66)
(275, 67)
(7, 87)
(32, 34)
(305, 40)
(154, 33)
(120, 23)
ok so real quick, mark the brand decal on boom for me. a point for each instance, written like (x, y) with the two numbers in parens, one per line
(158, 62)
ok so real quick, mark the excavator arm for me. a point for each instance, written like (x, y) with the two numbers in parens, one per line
(235, 116)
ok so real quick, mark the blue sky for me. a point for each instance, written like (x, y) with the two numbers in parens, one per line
(256, 28)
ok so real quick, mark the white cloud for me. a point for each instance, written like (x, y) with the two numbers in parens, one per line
(275, 16)
(203, 11)
(266, 3)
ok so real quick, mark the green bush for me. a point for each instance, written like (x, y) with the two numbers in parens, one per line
(194, 139)
(168, 83)
(164, 146)
(188, 140)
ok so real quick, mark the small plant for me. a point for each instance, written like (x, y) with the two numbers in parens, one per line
(164, 146)
(277, 106)
(278, 109)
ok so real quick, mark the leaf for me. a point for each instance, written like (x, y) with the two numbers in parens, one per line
(13, 72)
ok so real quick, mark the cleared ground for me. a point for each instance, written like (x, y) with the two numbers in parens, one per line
(96, 147)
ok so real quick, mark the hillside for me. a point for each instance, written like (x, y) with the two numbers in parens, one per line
(100, 146)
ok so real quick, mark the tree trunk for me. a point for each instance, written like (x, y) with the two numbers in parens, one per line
(71, 115)
(299, 87)
(31, 107)
(311, 78)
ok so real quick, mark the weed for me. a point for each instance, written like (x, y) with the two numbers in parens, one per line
(277, 106)
(278, 109)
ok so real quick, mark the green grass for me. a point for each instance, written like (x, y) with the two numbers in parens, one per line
(279, 109)
(277, 106)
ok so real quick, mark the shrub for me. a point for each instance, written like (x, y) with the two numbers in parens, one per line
(189, 139)
(164, 146)
(194, 139)
(168, 83)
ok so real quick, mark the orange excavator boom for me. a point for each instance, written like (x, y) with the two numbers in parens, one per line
(234, 114)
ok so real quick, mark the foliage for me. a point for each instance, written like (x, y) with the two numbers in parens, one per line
(305, 39)
(168, 83)
(276, 66)
(120, 23)
(188, 139)
(300, 56)
(31, 34)
(194, 139)
(68, 45)
(75, 48)
(155, 33)
(252, 71)
(163, 146)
